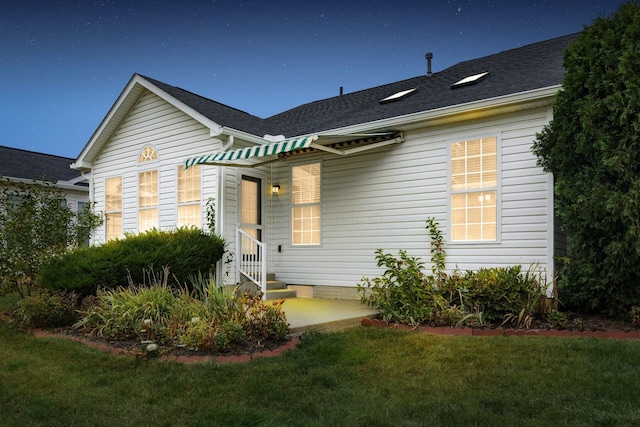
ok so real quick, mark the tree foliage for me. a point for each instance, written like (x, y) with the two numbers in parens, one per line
(36, 224)
(593, 149)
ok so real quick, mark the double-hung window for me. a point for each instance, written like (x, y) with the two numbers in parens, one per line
(474, 180)
(189, 196)
(147, 192)
(113, 207)
(305, 204)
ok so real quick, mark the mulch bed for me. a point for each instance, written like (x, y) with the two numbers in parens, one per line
(134, 347)
(585, 326)
(248, 350)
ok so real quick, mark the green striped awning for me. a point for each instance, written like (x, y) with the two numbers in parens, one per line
(250, 152)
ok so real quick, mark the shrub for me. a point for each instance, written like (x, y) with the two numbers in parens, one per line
(403, 293)
(634, 314)
(502, 291)
(263, 320)
(228, 334)
(200, 320)
(557, 320)
(131, 312)
(36, 223)
(197, 334)
(185, 250)
(44, 309)
(591, 149)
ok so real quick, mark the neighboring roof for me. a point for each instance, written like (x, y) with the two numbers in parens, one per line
(23, 164)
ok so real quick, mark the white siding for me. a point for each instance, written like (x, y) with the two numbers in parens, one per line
(375, 199)
(75, 197)
(381, 199)
(175, 136)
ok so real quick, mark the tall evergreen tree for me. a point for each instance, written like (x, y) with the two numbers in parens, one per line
(592, 147)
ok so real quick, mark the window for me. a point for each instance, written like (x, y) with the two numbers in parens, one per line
(147, 192)
(83, 209)
(147, 200)
(398, 95)
(189, 196)
(148, 153)
(305, 204)
(113, 207)
(474, 179)
(470, 80)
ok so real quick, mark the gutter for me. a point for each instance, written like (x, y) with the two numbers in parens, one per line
(490, 106)
(64, 185)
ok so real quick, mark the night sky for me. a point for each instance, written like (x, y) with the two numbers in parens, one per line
(63, 64)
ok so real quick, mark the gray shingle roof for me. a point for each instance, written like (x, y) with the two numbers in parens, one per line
(17, 163)
(534, 66)
(518, 70)
(219, 113)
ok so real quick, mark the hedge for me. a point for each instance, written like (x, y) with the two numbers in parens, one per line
(186, 251)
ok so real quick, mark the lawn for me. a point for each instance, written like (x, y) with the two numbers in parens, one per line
(364, 376)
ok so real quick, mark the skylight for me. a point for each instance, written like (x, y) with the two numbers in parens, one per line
(398, 95)
(469, 80)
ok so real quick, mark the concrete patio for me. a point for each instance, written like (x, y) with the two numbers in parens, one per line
(325, 315)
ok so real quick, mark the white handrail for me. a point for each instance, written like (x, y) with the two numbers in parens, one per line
(251, 259)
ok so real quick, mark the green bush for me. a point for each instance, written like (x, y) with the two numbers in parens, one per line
(228, 334)
(44, 309)
(196, 334)
(501, 291)
(405, 294)
(591, 147)
(185, 251)
(211, 317)
(557, 320)
(262, 320)
(130, 313)
(36, 224)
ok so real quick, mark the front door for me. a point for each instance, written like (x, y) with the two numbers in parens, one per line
(251, 206)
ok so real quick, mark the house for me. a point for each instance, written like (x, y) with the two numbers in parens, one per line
(309, 194)
(24, 166)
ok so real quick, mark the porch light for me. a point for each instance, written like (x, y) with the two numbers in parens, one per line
(275, 189)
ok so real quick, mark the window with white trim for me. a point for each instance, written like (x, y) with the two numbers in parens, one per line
(113, 207)
(148, 153)
(189, 195)
(147, 200)
(474, 180)
(147, 192)
(82, 209)
(305, 204)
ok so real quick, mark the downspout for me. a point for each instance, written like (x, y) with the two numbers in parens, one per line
(551, 228)
(219, 228)
(219, 211)
(220, 202)
(83, 173)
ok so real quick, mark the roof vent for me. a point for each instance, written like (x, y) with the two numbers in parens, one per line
(428, 56)
(470, 80)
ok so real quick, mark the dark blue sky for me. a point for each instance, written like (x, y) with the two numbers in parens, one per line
(64, 63)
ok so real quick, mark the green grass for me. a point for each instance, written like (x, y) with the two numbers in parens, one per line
(360, 377)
